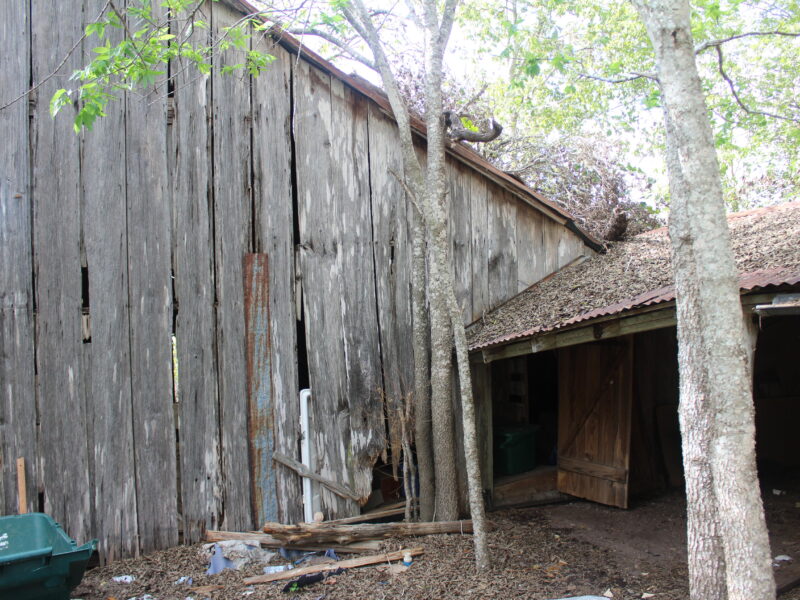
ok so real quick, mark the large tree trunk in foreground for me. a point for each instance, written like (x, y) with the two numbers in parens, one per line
(717, 416)
(422, 372)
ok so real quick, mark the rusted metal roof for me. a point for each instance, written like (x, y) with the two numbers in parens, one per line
(638, 273)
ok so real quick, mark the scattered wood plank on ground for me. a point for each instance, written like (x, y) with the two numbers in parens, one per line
(322, 533)
(352, 563)
(272, 542)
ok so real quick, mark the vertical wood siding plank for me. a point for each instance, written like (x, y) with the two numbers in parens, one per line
(232, 216)
(17, 392)
(392, 215)
(479, 212)
(64, 472)
(195, 326)
(530, 257)
(321, 268)
(460, 197)
(359, 312)
(258, 356)
(109, 365)
(150, 285)
(272, 181)
(502, 248)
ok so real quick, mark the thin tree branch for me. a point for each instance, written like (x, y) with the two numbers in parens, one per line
(55, 71)
(632, 77)
(735, 94)
(341, 44)
(717, 43)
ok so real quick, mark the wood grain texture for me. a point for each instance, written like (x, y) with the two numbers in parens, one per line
(502, 248)
(109, 361)
(479, 239)
(460, 182)
(531, 250)
(321, 263)
(594, 420)
(392, 217)
(195, 323)
(150, 293)
(64, 469)
(232, 229)
(274, 213)
(351, 188)
(17, 392)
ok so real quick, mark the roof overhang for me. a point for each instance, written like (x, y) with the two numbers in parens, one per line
(649, 318)
(781, 305)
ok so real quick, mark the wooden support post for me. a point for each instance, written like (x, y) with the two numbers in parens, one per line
(22, 489)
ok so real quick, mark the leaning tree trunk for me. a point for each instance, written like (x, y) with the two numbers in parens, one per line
(716, 391)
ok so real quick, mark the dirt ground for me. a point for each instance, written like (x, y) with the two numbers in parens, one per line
(573, 549)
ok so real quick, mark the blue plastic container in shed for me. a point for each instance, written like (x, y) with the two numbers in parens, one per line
(38, 561)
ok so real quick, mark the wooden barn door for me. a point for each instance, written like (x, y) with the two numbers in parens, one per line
(594, 421)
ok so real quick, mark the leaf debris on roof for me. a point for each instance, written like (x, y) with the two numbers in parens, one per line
(763, 239)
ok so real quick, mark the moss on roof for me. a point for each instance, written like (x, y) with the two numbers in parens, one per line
(763, 238)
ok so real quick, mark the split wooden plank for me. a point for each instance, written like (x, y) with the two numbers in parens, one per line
(301, 469)
(150, 292)
(233, 228)
(320, 533)
(392, 223)
(195, 326)
(17, 357)
(108, 368)
(273, 542)
(320, 256)
(64, 464)
(274, 214)
(352, 563)
(360, 334)
(373, 515)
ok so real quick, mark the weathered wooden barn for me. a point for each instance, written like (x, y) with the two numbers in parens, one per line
(171, 280)
(585, 361)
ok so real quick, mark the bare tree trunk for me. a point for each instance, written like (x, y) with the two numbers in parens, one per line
(476, 507)
(716, 392)
(422, 373)
(444, 448)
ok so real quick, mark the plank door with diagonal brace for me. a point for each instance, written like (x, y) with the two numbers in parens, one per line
(594, 421)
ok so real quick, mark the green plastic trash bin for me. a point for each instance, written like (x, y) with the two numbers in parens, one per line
(38, 561)
(515, 449)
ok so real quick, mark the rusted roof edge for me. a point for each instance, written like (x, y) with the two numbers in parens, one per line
(748, 282)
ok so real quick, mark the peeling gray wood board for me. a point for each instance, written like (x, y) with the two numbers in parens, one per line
(17, 392)
(461, 182)
(530, 247)
(108, 371)
(272, 195)
(479, 239)
(502, 215)
(232, 216)
(195, 325)
(392, 217)
(150, 292)
(322, 280)
(350, 148)
(64, 467)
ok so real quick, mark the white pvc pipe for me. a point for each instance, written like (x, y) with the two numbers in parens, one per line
(305, 455)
